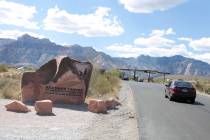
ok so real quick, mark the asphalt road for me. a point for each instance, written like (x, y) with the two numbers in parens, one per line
(161, 119)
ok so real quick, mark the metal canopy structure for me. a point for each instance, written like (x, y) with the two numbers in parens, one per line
(145, 71)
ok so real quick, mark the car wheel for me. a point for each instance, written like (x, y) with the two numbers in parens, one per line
(170, 98)
(166, 96)
(192, 101)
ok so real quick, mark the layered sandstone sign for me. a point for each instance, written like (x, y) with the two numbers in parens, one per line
(62, 80)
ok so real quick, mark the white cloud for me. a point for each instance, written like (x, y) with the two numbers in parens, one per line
(99, 23)
(124, 50)
(157, 44)
(185, 39)
(202, 44)
(134, 51)
(199, 45)
(12, 13)
(149, 6)
(156, 39)
(14, 34)
(203, 57)
(168, 31)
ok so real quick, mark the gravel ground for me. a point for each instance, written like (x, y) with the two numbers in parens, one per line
(72, 122)
(120, 124)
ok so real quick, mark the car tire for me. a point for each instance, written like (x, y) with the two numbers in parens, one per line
(192, 101)
(166, 96)
(171, 98)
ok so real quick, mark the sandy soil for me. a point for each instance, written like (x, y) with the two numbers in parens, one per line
(72, 122)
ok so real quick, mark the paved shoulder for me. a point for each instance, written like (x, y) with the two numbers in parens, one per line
(161, 119)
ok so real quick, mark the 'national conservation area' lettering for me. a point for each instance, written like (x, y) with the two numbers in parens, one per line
(64, 91)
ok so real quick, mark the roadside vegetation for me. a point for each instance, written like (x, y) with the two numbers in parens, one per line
(103, 83)
(202, 84)
(10, 81)
(10, 86)
(3, 68)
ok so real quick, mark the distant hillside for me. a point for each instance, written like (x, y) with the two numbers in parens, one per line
(175, 64)
(4, 42)
(27, 50)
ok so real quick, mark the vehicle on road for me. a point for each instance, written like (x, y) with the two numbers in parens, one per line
(125, 77)
(140, 79)
(179, 89)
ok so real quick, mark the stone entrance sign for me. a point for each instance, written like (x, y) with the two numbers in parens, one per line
(62, 80)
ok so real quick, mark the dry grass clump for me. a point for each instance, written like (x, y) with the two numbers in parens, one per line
(10, 86)
(104, 84)
(203, 86)
(3, 68)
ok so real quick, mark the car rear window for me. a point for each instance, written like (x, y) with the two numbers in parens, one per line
(183, 84)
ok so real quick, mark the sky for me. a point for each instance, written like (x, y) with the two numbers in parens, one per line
(120, 28)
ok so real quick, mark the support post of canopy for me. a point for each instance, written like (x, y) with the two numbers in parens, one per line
(164, 76)
(134, 76)
(149, 78)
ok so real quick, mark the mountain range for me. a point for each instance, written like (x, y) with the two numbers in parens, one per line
(28, 50)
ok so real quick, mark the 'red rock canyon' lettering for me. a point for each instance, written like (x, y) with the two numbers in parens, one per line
(62, 80)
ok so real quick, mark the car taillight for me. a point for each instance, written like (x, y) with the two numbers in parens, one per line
(173, 90)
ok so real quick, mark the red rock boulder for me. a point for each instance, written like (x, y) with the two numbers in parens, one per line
(111, 103)
(44, 107)
(17, 106)
(97, 106)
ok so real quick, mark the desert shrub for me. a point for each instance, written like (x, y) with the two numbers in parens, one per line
(3, 68)
(103, 83)
(203, 86)
(114, 73)
(160, 80)
(113, 77)
(199, 86)
(207, 90)
(10, 87)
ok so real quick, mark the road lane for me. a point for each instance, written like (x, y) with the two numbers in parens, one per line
(161, 119)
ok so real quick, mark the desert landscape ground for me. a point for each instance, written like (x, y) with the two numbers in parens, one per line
(104, 70)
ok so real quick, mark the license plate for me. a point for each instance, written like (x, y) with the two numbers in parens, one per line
(184, 90)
